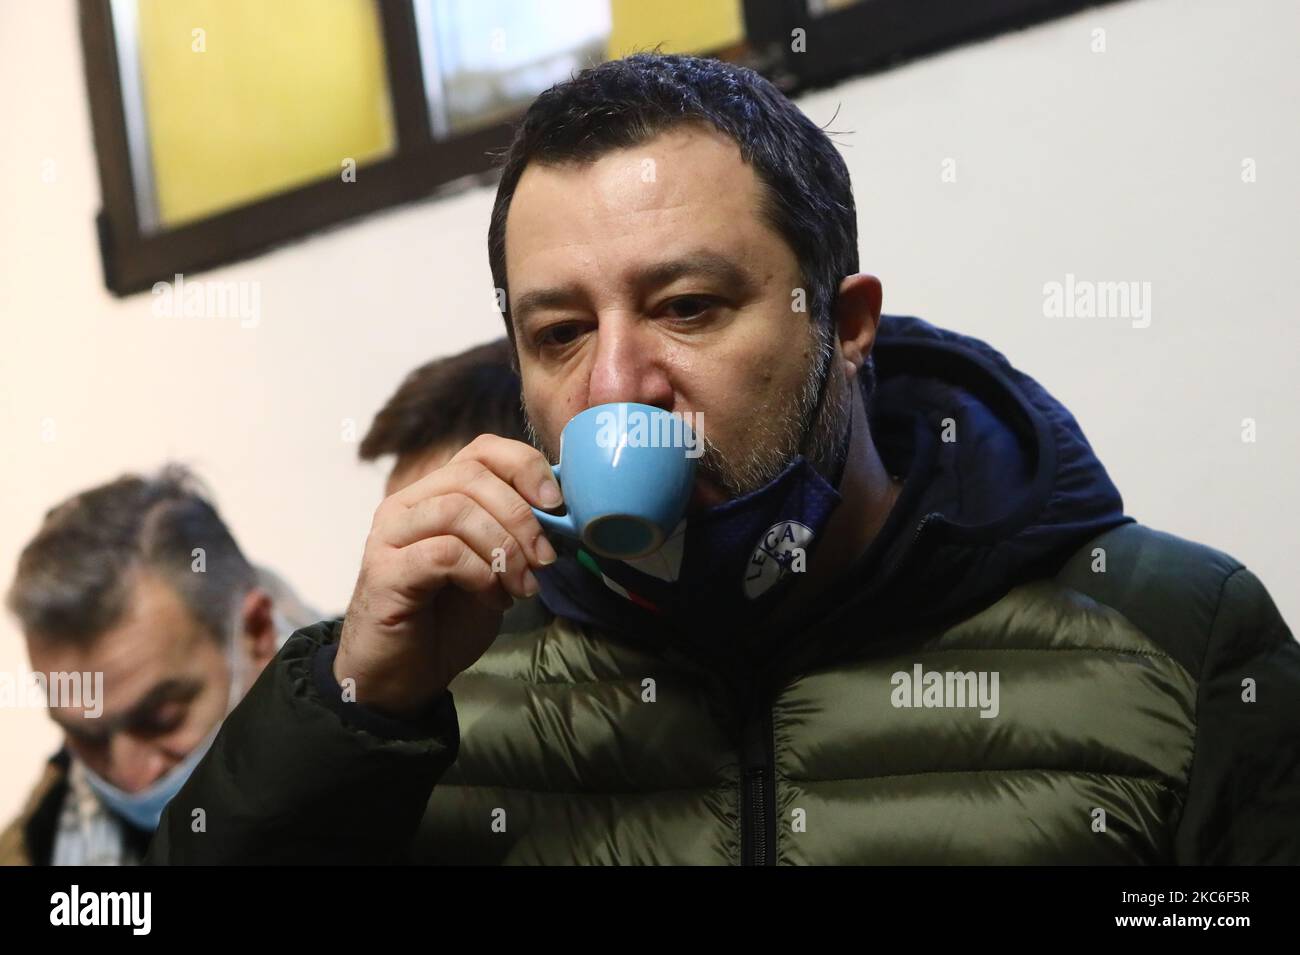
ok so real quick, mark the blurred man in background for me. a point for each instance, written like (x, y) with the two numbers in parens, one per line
(138, 580)
(442, 406)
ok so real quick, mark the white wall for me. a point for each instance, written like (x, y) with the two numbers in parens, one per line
(1122, 165)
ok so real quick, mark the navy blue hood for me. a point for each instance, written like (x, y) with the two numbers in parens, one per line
(1000, 487)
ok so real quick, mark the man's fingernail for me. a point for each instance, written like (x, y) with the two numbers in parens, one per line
(545, 552)
(549, 494)
(530, 583)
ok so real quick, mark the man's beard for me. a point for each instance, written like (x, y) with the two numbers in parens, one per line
(774, 440)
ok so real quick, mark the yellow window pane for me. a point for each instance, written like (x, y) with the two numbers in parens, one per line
(682, 26)
(268, 96)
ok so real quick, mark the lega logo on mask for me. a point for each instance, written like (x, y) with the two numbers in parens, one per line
(781, 550)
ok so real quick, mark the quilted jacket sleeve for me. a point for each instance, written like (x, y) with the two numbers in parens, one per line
(297, 775)
(1243, 803)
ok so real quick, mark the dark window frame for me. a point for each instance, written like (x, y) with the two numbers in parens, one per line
(875, 35)
(418, 167)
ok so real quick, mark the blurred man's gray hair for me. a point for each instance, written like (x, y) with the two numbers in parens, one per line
(75, 577)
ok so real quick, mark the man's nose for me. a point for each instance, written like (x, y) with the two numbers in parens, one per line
(134, 763)
(628, 365)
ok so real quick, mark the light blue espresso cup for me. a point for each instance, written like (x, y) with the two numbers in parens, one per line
(626, 471)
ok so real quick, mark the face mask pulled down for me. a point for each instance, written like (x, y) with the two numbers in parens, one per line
(728, 566)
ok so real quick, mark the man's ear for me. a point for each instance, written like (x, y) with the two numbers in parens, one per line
(857, 316)
(257, 636)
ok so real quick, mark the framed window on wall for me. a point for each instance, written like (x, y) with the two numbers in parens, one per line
(225, 127)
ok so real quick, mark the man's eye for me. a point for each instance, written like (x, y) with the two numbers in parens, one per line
(162, 720)
(689, 306)
(558, 335)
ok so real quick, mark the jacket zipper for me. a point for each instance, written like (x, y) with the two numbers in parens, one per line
(758, 775)
(758, 790)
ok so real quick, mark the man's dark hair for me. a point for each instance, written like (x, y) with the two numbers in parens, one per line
(450, 400)
(622, 103)
(76, 576)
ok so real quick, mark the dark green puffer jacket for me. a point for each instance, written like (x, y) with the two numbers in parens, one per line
(1013, 673)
